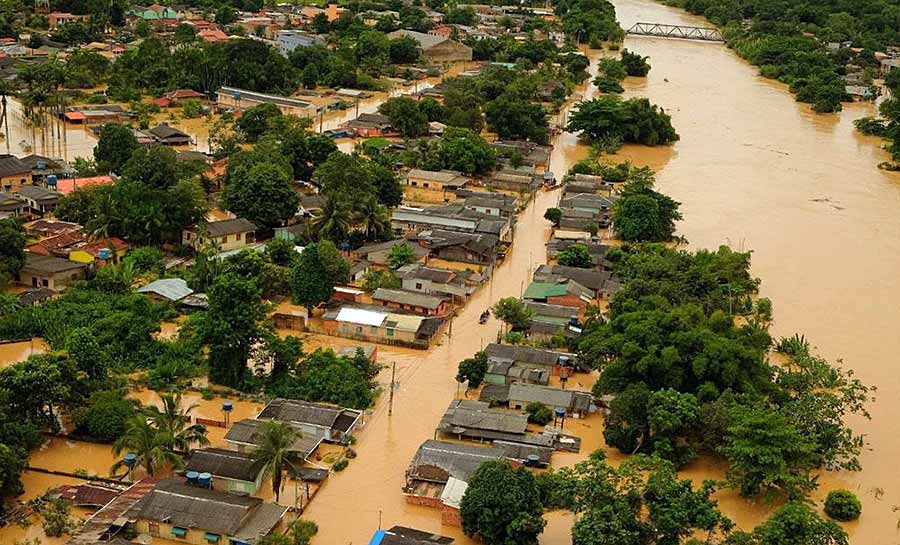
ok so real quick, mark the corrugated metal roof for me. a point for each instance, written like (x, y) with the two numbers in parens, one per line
(172, 289)
(361, 316)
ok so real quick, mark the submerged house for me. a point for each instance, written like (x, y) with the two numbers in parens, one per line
(231, 471)
(175, 510)
(46, 271)
(419, 303)
(432, 186)
(330, 422)
(438, 475)
(519, 396)
(244, 437)
(400, 535)
(523, 363)
(378, 325)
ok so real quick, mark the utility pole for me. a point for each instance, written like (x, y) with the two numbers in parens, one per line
(390, 405)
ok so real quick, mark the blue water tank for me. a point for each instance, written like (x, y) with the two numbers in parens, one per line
(560, 412)
(192, 477)
(227, 406)
(533, 460)
(204, 480)
(51, 180)
(104, 253)
(41, 165)
(130, 460)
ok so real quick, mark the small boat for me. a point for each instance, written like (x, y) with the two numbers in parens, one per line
(484, 317)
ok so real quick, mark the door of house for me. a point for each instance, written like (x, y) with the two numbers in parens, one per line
(154, 529)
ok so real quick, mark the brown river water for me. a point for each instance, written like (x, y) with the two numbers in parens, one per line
(753, 169)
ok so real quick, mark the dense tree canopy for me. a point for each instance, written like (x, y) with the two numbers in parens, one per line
(502, 505)
(634, 120)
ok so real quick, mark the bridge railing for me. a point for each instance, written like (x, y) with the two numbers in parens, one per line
(683, 32)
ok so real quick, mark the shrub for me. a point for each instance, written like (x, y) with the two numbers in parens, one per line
(340, 465)
(842, 505)
(539, 414)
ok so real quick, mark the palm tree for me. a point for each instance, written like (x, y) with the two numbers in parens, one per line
(273, 452)
(174, 423)
(150, 446)
(335, 221)
(373, 218)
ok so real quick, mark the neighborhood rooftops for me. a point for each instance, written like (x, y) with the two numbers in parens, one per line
(191, 507)
(223, 463)
(262, 97)
(10, 165)
(463, 416)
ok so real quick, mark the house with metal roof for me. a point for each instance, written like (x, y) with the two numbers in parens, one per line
(225, 235)
(433, 186)
(518, 396)
(400, 535)
(14, 173)
(330, 422)
(244, 435)
(41, 201)
(378, 325)
(194, 514)
(567, 293)
(231, 471)
(230, 98)
(167, 135)
(439, 472)
(416, 302)
(167, 289)
(438, 281)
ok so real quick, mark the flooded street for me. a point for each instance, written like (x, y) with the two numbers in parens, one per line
(14, 352)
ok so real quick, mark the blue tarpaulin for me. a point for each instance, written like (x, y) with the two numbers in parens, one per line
(376, 539)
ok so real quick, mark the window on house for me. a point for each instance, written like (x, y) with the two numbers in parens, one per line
(418, 285)
(179, 532)
(359, 329)
(390, 332)
(425, 184)
(45, 282)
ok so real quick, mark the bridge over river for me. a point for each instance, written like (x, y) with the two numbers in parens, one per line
(705, 34)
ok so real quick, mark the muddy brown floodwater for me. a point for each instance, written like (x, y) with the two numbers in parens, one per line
(753, 169)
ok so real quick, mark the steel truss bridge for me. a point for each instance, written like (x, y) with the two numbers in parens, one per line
(677, 31)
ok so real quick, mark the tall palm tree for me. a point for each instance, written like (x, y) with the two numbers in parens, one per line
(273, 452)
(372, 217)
(150, 446)
(174, 423)
(335, 221)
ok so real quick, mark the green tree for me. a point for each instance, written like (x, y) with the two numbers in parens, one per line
(263, 194)
(514, 312)
(320, 268)
(634, 64)
(379, 278)
(796, 524)
(12, 464)
(538, 413)
(473, 370)
(84, 350)
(400, 255)
(502, 505)
(12, 250)
(106, 416)
(767, 453)
(173, 420)
(641, 214)
(576, 255)
(274, 452)
(231, 327)
(404, 50)
(310, 76)
(632, 121)
(463, 150)
(149, 445)
(553, 215)
(115, 147)
(405, 116)
(256, 121)
(157, 167)
(513, 118)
